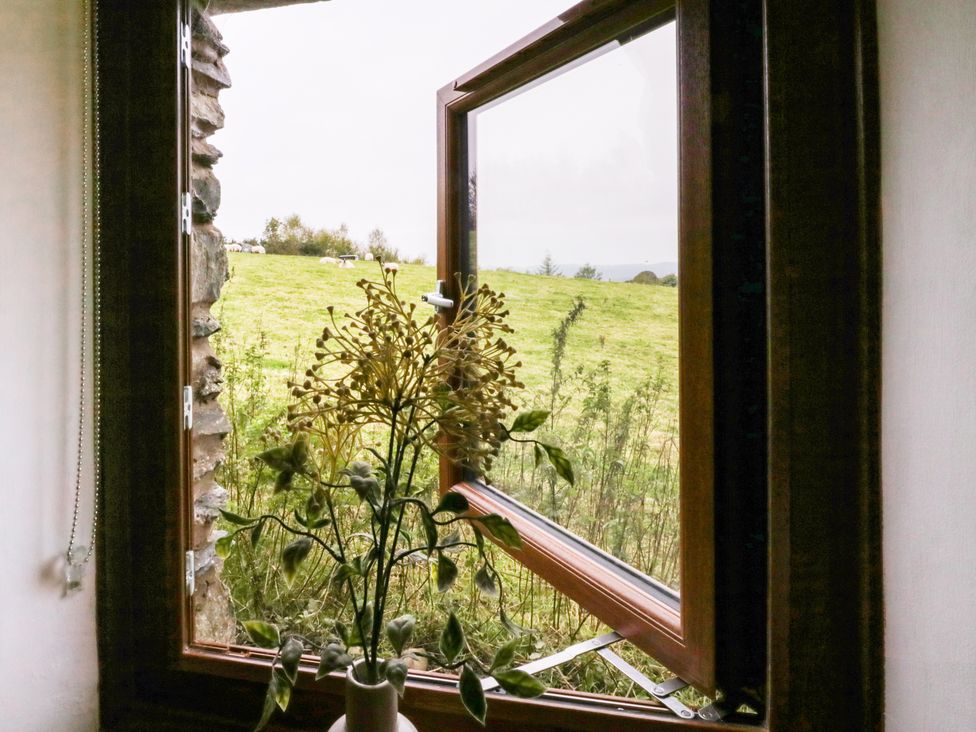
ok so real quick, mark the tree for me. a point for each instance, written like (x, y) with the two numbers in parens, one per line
(548, 267)
(288, 236)
(670, 280)
(380, 248)
(588, 272)
(647, 277)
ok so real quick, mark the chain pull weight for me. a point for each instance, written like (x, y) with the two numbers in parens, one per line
(78, 556)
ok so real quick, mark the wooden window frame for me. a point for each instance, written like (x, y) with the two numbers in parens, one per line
(681, 636)
(820, 641)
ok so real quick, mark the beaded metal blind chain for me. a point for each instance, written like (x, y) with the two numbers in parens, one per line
(77, 555)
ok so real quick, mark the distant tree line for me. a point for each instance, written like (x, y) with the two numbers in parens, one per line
(291, 235)
(548, 268)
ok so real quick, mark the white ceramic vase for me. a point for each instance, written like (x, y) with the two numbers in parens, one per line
(371, 708)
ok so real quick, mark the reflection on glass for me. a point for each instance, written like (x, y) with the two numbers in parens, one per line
(573, 214)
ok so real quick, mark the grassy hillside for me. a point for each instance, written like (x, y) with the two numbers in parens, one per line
(616, 420)
(285, 298)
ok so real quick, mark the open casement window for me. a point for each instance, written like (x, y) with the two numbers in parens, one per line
(747, 71)
(598, 188)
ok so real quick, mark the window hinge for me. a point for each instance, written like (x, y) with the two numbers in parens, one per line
(563, 656)
(186, 213)
(716, 711)
(662, 692)
(186, 44)
(188, 407)
(190, 572)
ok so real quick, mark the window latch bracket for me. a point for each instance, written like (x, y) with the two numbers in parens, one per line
(437, 299)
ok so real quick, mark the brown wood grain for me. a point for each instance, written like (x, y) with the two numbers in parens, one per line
(825, 655)
(685, 641)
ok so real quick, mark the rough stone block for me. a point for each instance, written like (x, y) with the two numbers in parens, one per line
(208, 265)
(214, 70)
(209, 419)
(205, 30)
(204, 326)
(208, 454)
(206, 113)
(204, 154)
(206, 195)
(206, 508)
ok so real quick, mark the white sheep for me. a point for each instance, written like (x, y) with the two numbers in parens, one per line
(328, 260)
(258, 249)
(233, 247)
(368, 256)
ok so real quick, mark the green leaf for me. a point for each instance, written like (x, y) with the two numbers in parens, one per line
(560, 462)
(315, 504)
(452, 638)
(447, 572)
(453, 502)
(368, 489)
(283, 481)
(291, 655)
(501, 528)
(364, 620)
(529, 421)
(262, 634)
(224, 545)
(396, 674)
(342, 631)
(344, 572)
(484, 580)
(504, 655)
(299, 519)
(453, 538)
(516, 630)
(281, 688)
(299, 452)
(278, 458)
(334, 657)
(430, 529)
(358, 467)
(519, 683)
(399, 631)
(256, 534)
(235, 519)
(269, 706)
(473, 694)
(293, 555)
(539, 455)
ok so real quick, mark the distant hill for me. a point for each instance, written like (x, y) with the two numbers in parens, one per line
(622, 272)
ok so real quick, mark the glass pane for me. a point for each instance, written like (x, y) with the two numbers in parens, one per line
(574, 215)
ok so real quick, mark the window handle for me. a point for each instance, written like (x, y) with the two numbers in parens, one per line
(437, 299)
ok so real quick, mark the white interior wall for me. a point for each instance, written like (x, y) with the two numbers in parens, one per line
(928, 123)
(48, 664)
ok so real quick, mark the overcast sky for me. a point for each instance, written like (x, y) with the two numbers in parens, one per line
(332, 116)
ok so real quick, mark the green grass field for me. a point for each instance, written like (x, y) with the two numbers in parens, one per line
(632, 326)
(616, 420)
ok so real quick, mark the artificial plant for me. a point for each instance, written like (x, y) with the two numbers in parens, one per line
(386, 387)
